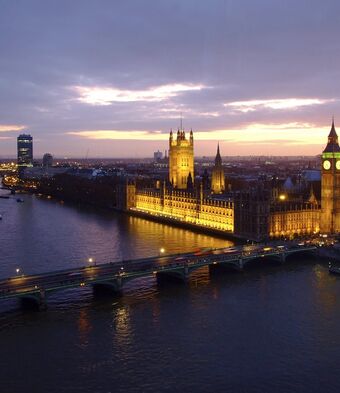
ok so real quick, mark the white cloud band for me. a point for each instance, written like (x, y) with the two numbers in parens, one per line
(108, 95)
(276, 104)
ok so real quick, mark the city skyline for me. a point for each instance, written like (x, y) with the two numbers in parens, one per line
(111, 81)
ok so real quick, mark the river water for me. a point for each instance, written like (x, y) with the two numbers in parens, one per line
(268, 329)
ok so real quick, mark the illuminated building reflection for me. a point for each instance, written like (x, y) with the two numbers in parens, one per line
(122, 326)
(84, 327)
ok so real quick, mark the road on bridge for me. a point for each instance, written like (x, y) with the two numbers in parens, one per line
(23, 285)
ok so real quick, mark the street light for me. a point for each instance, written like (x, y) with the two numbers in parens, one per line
(162, 251)
(17, 270)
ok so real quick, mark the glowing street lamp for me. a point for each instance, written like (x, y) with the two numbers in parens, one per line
(17, 270)
(162, 251)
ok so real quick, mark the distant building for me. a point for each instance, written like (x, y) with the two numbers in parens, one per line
(25, 150)
(217, 178)
(181, 159)
(47, 161)
(38, 172)
(157, 156)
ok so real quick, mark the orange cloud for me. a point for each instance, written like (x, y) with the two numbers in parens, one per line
(10, 127)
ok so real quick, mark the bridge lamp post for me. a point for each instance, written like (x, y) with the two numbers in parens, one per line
(162, 251)
(17, 270)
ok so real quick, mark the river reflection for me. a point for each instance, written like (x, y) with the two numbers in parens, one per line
(271, 328)
(41, 235)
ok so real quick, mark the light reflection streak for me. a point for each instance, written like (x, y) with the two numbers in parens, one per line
(122, 326)
(84, 327)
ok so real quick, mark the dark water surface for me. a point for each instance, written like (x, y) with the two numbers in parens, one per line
(268, 329)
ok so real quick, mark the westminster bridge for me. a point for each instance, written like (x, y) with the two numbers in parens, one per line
(112, 276)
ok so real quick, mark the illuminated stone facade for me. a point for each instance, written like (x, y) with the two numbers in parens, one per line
(258, 217)
(188, 207)
(289, 220)
(181, 159)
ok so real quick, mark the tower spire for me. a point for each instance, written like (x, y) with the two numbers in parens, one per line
(217, 178)
(218, 159)
(333, 142)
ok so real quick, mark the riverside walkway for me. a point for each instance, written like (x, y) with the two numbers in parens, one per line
(114, 275)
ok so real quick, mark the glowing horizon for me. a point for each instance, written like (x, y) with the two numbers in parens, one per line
(253, 133)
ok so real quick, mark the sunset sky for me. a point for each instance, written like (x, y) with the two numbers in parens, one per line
(109, 78)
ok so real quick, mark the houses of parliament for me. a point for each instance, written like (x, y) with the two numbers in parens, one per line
(266, 209)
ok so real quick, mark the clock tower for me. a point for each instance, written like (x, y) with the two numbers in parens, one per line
(330, 185)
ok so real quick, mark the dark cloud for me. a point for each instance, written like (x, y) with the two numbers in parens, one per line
(240, 50)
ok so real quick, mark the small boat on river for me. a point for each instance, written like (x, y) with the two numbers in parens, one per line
(333, 268)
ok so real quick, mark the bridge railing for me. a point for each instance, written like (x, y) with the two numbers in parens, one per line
(91, 274)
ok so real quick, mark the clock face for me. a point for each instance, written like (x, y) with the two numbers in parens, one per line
(326, 164)
(338, 165)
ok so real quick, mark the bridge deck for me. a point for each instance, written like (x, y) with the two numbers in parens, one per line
(35, 284)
